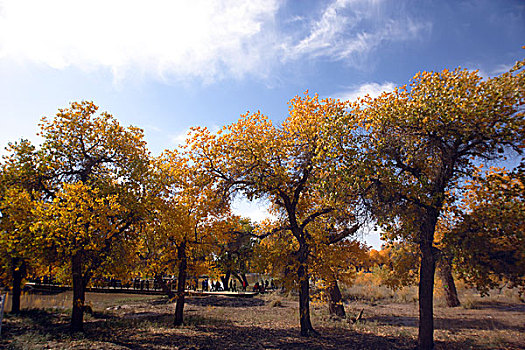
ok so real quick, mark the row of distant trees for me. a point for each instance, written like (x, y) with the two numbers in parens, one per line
(92, 201)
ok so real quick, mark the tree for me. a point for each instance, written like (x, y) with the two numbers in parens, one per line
(15, 238)
(189, 219)
(335, 263)
(20, 185)
(94, 174)
(236, 253)
(78, 229)
(329, 262)
(421, 142)
(292, 166)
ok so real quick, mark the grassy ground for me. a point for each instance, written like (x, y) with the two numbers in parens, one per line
(389, 321)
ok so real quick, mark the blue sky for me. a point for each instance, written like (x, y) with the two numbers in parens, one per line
(168, 65)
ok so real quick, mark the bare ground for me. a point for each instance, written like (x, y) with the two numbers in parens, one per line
(265, 322)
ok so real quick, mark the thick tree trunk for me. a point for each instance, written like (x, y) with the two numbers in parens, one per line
(181, 284)
(426, 280)
(164, 287)
(77, 316)
(335, 300)
(304, 292)
(18, 272)
(445, 274)
(426, 302)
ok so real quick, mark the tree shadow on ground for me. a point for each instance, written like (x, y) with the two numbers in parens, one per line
(43, 318)
(151, 330)
(500, 306)
(229, 336)
(34, 320)
(447, 323)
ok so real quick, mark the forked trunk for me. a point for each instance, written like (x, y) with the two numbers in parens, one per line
(335, 300)
(445, 274)
(181, 284)
(77, 316)
(18, 271)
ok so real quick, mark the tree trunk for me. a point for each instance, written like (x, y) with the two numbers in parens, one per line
(77, 316)
(226, 280)
(426, 280)
(304, 292)
(181, 284)
(164, 287)
(426, 302)
(237, 276)
(335, 300)
(18, 271)
(445, 274)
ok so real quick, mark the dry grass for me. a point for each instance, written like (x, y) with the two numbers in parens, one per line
(389, 321)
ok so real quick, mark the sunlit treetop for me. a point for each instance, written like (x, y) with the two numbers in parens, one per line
(83, 146)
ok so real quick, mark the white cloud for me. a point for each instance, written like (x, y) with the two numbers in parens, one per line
(164, 38)
(204, 39)
(372, 89)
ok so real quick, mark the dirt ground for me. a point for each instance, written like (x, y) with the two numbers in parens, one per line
(264, 322)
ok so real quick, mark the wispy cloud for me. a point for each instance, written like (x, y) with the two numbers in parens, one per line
(350, 29)
(153, 128)
(501, 68)
(372, 89)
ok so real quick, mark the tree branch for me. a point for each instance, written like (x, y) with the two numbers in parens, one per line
(339, 236)
(315, 215)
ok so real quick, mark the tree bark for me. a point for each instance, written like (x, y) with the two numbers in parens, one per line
(181, 284)
(335, 300)
(304, 292)
(426, 282)
(18, 272)
(77, 316)
(445, 274)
